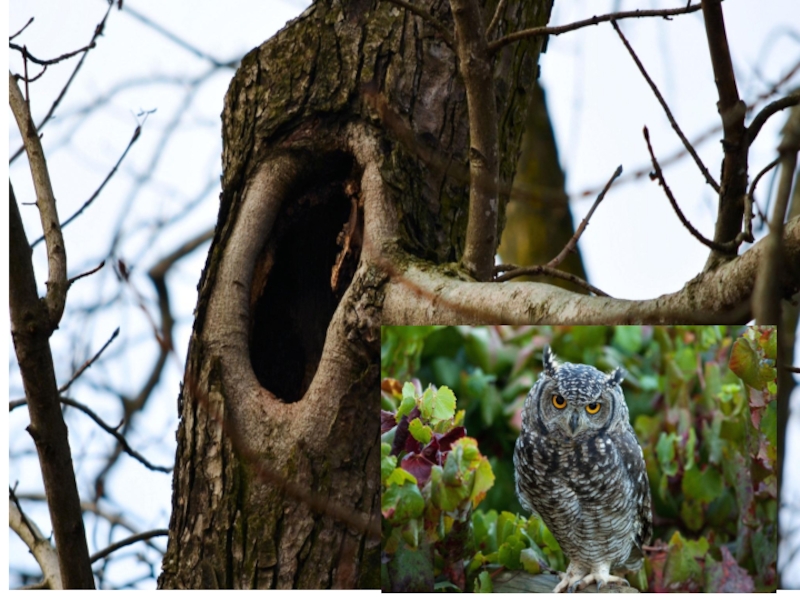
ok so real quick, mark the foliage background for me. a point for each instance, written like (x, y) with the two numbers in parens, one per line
(702, 403)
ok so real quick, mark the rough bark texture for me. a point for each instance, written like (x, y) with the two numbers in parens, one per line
(344, 138)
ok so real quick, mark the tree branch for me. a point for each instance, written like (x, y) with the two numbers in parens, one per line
(138, 537)
(46, 203)
(733, 183)
(476, 69)
(513, 271)
(699, 236)
(30, 330)
(686, 143)
(559, 29)
(37, 543)
(767, 293)
(421, 294)
(765, 113)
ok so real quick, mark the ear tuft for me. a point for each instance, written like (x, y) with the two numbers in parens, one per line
(616, 377)
(549, 361)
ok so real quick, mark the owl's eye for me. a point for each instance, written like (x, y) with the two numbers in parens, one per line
(593, 408)
(558, 401)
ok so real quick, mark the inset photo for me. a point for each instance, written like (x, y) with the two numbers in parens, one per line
(566, 458)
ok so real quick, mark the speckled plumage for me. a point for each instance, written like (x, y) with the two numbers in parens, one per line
(584, 473)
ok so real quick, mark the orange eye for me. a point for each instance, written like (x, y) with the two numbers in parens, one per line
(593, 408)
(559, 402)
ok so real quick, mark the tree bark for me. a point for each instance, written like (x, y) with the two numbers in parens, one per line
(345, 149)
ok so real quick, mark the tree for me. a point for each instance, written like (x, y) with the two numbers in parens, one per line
(365, 181)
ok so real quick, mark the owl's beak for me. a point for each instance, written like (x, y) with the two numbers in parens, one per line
(573, 422)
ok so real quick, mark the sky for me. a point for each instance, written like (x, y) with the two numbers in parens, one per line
(635, 246)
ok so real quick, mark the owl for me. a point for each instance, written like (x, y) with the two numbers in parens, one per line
(579, 466)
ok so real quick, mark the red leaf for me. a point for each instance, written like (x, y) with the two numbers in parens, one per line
(418, 466)
(447, 440)
(387, 421)
(728, 576)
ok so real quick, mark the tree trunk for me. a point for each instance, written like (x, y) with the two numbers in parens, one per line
(345, 158)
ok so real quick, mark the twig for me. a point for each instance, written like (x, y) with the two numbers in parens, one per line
(146, 535)
(750, 199)
(513, 271)
(793, 369)
(86, 274)
(24, 27)
(573, 241)
(46, 203)
(88, 363)
(114, 431)
(660, 176)
(496, 18)
(440, 27)
(769, 110)
(98, 30)
(557, 30)
(686, 143)
(96, 193)
(484, 174)
(24, 51)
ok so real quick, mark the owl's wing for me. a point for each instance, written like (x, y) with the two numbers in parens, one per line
(636, 471)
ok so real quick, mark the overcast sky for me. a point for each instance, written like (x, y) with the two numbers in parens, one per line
(635, 246)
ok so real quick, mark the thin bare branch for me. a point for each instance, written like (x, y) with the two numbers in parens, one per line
(501, 6)
(573, 241)
(39, 61)
(559, 29)
(447, 36)
(686, 143)
(24, 27)
(750, 201)
(660, 176)
(770, 109)
(45, 202)
(98, 30)
(93, 197)
(513, 271)
(476, 69)
(86, 274)
(88, 363)
(139, 537)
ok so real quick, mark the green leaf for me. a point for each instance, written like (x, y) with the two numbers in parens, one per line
(744, 362)
(483, 584)
(421, 433)
(769, 423)
(388, 463)
(408, 402)
(399, 503)
(705, 486)
(692, 514)
(508, 553)
(484, 480)
(682, 565)
(426, 404)
(400, 477)
(444, 404)
(665, 449)
(532, 559)
(770, 345)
